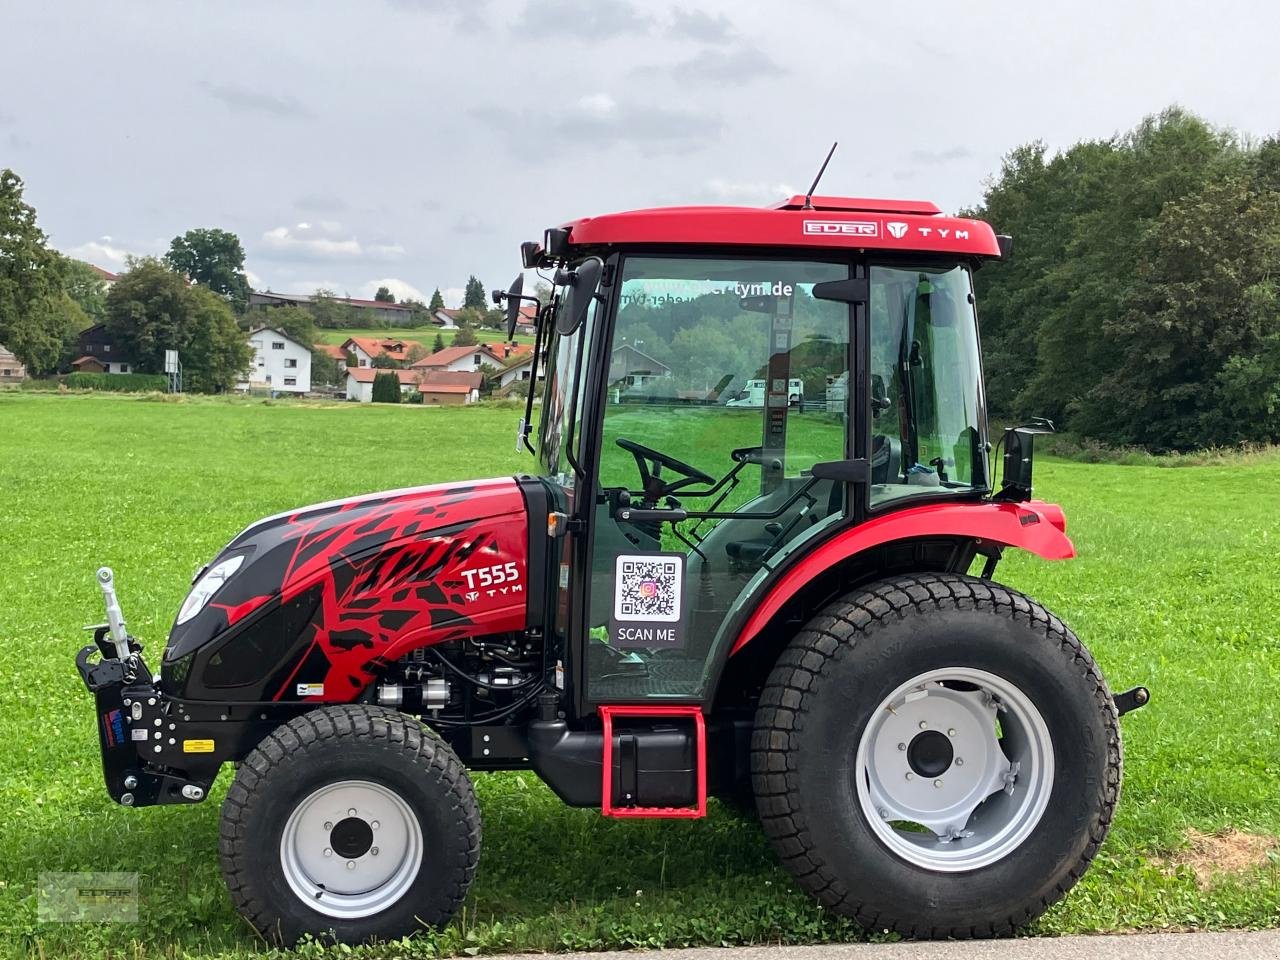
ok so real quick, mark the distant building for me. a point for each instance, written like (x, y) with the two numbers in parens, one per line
(520, 370)
(391, 314)
(461, 359)
(106, 276)
(364, 349)
(449, 387)
(360, 382)
(333, 350)
(98, 353)
(12, 371)
(629, 367)
(280, 363)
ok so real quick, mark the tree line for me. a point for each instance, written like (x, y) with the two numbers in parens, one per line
(1142, 302)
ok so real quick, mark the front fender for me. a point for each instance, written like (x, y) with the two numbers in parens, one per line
(1035, 526)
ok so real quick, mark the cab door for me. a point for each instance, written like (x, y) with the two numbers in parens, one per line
(688, 333)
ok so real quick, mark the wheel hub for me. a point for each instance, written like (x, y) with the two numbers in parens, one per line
(351, 849)
(954, 769)
(351, 838)
(930, 754)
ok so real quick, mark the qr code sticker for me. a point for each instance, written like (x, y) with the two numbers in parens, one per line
(648, 588)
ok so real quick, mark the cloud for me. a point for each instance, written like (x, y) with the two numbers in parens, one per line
(102, 252)
(255, 281)
(325, 241)
(467, 16)
(453, 297)
(750, 193)
(737, 65)
(700, 26)
(939, 156)
(469, 224)
(583, 19)
(400, 289)
(598, 120)
(244, 100)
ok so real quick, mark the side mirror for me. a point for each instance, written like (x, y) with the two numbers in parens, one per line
(581, 287)
(1015, 481)
(513, 303)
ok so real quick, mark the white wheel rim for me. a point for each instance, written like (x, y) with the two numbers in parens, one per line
(351, 849)
(954, 769)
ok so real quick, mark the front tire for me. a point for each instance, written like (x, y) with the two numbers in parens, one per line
(349, 823)
(936, 755)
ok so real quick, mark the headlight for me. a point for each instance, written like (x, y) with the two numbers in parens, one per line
(207, 586)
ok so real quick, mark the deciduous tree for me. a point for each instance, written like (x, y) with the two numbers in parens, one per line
(214, 258)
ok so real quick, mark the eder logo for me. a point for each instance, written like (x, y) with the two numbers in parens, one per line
(846, 228)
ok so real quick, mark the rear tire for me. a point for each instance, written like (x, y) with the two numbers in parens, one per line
(297, 861)
(874, 699)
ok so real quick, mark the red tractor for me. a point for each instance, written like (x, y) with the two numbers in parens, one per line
(788, 603)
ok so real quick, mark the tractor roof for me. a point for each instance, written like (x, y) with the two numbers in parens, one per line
(832, 222)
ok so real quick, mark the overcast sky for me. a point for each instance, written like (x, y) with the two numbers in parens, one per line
(413, 142)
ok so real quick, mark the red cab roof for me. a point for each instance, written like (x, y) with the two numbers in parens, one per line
(831, 222)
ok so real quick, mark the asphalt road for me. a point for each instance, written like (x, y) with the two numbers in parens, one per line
(1253, 945)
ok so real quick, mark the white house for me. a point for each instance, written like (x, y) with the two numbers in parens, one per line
(520, 370)
(360, 382)
(280, 363)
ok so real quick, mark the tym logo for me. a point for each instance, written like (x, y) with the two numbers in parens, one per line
(845, 228)
(897, 229)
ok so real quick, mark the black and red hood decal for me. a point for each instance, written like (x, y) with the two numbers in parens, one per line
(349, 586)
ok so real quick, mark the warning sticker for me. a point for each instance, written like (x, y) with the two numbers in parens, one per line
(197, 746)
(311, 689)
(648, 601)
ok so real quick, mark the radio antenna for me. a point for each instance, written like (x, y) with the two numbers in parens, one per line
(808, 197)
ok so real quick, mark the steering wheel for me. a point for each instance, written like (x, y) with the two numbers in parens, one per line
(651, 480)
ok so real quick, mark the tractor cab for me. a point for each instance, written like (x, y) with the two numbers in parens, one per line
(697, 429)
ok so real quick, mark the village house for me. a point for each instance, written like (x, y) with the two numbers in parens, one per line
(630, 367)
(450, 387)
(364, 349)
(461, 359)
(280, 363)
(12, 371)
(96, 354)
(335, 351)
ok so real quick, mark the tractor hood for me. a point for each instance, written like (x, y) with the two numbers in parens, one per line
(336, 589)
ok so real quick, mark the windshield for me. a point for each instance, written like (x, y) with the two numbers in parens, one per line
(926, 383)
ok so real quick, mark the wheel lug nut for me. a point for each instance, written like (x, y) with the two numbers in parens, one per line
(328, 852)
(351, 864)
(911, 776)
(959, 762)
(328, 825)
(374, 825)
(374, 851)
(923, 725)
(951, 732)
(351, 812)
(902, 746)
(938, 784)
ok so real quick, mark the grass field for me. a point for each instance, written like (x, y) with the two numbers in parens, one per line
(423, 335)
(1175, 587)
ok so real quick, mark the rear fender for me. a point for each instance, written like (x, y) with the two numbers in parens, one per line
(1035, 526)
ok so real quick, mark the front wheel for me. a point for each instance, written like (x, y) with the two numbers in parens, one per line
(936, 755)
(349, 823)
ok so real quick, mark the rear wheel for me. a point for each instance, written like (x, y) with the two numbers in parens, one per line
(349, 822)
(936, 755)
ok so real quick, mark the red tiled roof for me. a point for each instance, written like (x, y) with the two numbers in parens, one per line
(445, 388)
(510, 352)
(442, 358)
(332, 349)
(87, 359)
(393, 348)
(366, 374)
(104, 274)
